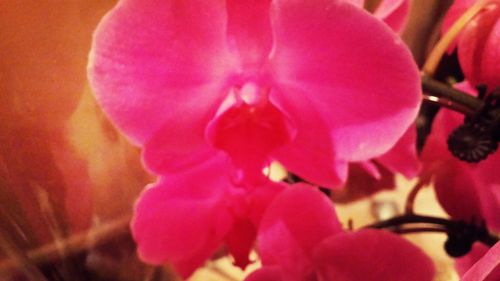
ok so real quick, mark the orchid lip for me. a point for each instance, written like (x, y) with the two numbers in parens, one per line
(248, 127)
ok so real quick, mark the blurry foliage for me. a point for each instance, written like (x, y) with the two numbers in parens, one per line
(63, 167)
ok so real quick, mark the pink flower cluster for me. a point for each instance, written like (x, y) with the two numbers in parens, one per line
(213, 91)
(456, 182)
(469, 191)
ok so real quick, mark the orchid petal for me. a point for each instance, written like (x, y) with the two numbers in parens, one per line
(372, 255)
(455, 189)
(489, 196)
(247, 208)
(182, 219)
(358, 3)
(403, 158)
(297, 220)
(173, 148)
(368, 177)
(340, 74)
(249, 30)
(478, 48)
(487, 268)
(158, 62)
(394, 13)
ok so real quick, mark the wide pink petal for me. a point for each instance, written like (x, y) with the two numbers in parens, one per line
(326, 55)
(157, 64)
(266, 273)
(403, 158)
(478, 48)
(487, 268)
(394, 13)
(297, 220)
(173, 149)
(371, 255)
(249, 31)
(183, 218)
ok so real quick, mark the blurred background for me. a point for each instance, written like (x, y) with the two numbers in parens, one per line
(68, 180)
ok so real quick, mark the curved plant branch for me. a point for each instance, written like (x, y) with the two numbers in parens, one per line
(473, 231)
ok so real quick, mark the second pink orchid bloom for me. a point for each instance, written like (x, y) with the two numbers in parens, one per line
(300, 238)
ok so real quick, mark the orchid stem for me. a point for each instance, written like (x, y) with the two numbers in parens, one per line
(419, 230)
(446, 104)
(439, 225)
(449, 97)
(410, 200)
(443, 44)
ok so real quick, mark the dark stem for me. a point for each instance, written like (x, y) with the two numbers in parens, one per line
(418, 230)
(412, 196)
(441, 102)
(397, 224)
(443, 94)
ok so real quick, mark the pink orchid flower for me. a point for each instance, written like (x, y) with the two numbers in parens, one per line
(313, 84)
(307, 243)
(466, 191)
(477, 45)
(185, 217)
